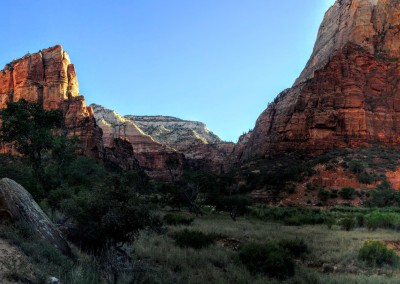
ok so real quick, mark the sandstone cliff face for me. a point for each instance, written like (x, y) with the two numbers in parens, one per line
(351, 95)
(155, 138)
(201, 147)
(372, 24)
(171, 130)
(148, 153)
(48, 78)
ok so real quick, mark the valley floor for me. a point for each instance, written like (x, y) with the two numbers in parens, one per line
(333, 256)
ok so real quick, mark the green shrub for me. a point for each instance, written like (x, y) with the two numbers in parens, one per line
(383, 198)
(376, 253)
(360, 218)
(377, 219)
(290, 188)
(175, 219)
(289, 215)
(269, 258)
(347, 192)
(311, 186)
(330, 221)
(194, 239)
(239, 203)
(348, 223)
(296, 247)
(357, 166)
(323, 194)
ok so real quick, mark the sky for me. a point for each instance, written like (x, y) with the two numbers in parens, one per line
(216, 61)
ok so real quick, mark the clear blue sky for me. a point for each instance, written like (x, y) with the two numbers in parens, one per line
(215, 61)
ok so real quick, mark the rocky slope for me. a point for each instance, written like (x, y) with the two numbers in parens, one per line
(49, 78)
(372, 24)
(202, 148)
(147, 153)
(347, 94)
(172, 131)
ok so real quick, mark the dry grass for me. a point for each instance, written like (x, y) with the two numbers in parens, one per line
(333, 257)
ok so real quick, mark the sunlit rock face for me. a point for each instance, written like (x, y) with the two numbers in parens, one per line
(49, 79)
(161, 136)
(348, 94)
(172, 131)
(149, 154)
(372, 24)
(201, 147)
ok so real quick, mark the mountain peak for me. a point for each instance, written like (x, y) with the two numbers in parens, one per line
(372, 24)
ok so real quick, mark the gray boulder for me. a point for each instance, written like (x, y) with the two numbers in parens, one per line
(17, 205)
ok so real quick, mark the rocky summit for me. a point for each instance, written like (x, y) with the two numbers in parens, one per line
(49, 79)
(347, 95)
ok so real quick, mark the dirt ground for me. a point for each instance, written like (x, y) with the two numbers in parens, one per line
(12, 260)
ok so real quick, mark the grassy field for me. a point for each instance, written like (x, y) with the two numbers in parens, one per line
(333, 256)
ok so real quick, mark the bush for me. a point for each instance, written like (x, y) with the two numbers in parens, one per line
(289, 215)
(236, 205)
(323, 194)
(383, 198)
(175, 219)
(311, 186)
(347, 192)
(377, 219)
(376, 253)
(194, 239)
(360, 218)
(290, 188)
(269, 258)
(330, 221)
(296, 247)
(348, 223)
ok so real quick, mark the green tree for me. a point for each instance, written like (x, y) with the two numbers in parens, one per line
(31, 130)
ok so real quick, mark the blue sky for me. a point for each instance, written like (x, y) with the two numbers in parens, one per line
(215, 61)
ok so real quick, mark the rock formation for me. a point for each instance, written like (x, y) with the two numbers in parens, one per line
(155, 138)
(174, 131)
(348, 94)
(17, 205)
(201, 147)
(48, 78)
(372, 24)
(122, 136)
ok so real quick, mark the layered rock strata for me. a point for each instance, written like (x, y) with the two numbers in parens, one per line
(372, 24)
(146, 153)
(201, 147)
(49, 79)
(348, 94)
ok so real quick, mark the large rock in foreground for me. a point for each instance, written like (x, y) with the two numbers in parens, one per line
(17, 205)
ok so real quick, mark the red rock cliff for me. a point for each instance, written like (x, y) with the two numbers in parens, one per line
(48, 78)
(349, 92)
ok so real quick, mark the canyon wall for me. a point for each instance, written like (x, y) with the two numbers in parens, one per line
(349, 92)
(49, 79)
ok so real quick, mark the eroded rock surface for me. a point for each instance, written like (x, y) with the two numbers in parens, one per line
(147, 153)
(155, 137)
(372, 24)
(348, 94)
(49, 79)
